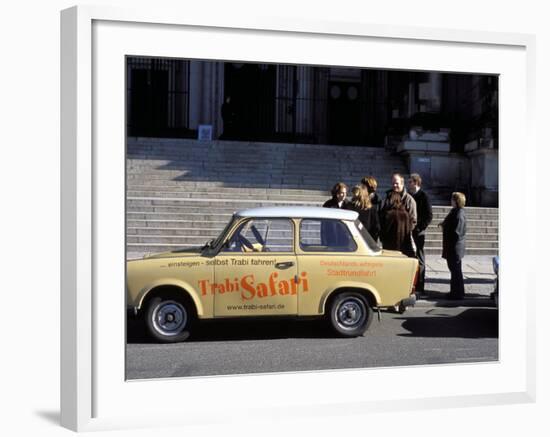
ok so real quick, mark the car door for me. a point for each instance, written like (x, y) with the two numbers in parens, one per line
(327, 251)
(255, 271)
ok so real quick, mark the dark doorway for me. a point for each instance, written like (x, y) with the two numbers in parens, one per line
(251, 88)
(149, 102)
(344, 113)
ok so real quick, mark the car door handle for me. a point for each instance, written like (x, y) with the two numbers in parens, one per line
(284, 266)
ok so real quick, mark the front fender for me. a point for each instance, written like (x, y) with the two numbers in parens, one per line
(172, 282)
(366, 288)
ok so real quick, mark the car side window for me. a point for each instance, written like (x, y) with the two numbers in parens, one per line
(325, 235)
(262, 235)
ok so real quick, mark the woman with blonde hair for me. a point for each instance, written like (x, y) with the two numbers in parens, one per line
(454, 243)
(361, 202)
(370, 183)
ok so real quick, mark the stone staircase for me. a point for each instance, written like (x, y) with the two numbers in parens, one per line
(181, 193)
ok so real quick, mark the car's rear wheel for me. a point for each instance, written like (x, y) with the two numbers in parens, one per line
(169, 320)
(350, 314)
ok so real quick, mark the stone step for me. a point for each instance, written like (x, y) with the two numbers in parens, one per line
(195, 232)
(212, 232)
(478, 243)
(188, 224)
(186, 209)
(220, 224)
(234, 186)
(185, 200)
(229, 207)
(381, 165)
(201, 216)
(221, 206)
(470, 236)
(180, 146)
(240, 195)
(469, 251)
(195, 196)
(182, 193)
(218, 189)
(202, 239)
(206, 216)
(138, 250)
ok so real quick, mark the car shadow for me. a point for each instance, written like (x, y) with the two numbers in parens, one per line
(470, 323)
(441, 297)
(240, 330)
(466, 280)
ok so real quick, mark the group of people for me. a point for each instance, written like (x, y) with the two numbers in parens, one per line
(400, 220)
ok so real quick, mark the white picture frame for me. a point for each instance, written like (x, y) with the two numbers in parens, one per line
(94, 393)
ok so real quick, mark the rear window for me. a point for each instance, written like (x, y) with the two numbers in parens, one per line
(325, 235)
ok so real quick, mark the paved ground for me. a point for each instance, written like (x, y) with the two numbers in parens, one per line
(422, 335)
(478, 280)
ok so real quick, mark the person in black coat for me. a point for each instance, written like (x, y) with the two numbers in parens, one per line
(330, 237)
(338, 200)
(368, 215)
(229, 117)
(454, 243)
(424, 217)
(370, 183)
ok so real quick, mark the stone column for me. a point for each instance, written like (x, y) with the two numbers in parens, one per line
(484, 177)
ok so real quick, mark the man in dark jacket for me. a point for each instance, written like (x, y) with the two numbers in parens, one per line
(424, 217)
(454, 243)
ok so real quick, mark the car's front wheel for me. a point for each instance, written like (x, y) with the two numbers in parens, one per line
(350, 314)
(169, 320)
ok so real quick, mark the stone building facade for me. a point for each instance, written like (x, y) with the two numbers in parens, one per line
(445, 125)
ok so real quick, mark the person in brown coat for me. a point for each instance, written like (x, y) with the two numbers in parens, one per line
(396, 226)
(408, 203)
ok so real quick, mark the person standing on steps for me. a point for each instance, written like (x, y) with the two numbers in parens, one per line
(424, 218)
(454, 243)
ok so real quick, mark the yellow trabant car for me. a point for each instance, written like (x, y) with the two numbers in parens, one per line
(278, 261)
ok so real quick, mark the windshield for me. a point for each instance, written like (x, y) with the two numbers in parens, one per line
(367, 237)
(215, 243)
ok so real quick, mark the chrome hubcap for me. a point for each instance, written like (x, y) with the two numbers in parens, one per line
(351, 313)
(170, 318)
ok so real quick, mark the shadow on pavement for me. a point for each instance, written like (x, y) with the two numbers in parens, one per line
(470, 323)
(241, 330)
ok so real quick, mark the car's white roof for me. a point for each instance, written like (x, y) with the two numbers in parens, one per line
(299, 212)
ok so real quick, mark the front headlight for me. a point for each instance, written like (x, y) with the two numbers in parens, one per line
(496, 262)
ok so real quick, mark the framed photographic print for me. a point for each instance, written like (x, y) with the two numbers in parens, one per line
(170, 124)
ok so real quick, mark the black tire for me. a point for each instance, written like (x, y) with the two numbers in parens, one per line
(169, 320)
(349, 314)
